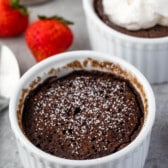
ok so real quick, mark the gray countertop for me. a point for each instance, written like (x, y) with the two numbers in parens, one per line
(72, 9)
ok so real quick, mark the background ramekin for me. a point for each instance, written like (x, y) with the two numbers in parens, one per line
(131, 156)
(150, 56)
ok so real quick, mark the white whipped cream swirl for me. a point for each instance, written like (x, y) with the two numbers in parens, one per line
(137, 14)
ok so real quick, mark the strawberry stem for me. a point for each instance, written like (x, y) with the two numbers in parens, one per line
(55, 17)
(16, 5)
(15, 2)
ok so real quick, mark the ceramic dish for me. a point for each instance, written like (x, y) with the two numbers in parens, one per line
(150, 56)
(131, 156)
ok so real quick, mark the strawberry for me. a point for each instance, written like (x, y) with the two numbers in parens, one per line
(48, 36)
(14, 18)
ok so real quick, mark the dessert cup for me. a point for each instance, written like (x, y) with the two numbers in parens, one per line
(131, 156)
(149, 55)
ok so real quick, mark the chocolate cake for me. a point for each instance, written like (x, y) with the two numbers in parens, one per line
(154, 32)
(83, 115)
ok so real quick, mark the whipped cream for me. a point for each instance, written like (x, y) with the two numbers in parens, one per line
(137, 14)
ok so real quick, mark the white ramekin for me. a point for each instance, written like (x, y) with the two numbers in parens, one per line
(150, 56)
(131, 156)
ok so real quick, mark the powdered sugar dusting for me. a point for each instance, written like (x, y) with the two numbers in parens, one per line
(89, 114)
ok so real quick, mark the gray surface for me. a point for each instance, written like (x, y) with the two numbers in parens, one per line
(72, 9)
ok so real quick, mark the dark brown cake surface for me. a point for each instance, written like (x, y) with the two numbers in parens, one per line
(154, 32)
(83, 115)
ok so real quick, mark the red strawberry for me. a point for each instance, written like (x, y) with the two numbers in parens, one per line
(48, 36)
(13, 18)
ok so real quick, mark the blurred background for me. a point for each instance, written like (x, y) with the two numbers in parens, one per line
(72, 10)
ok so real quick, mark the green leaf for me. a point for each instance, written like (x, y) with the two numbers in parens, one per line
(16, 5)
(55, 17)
